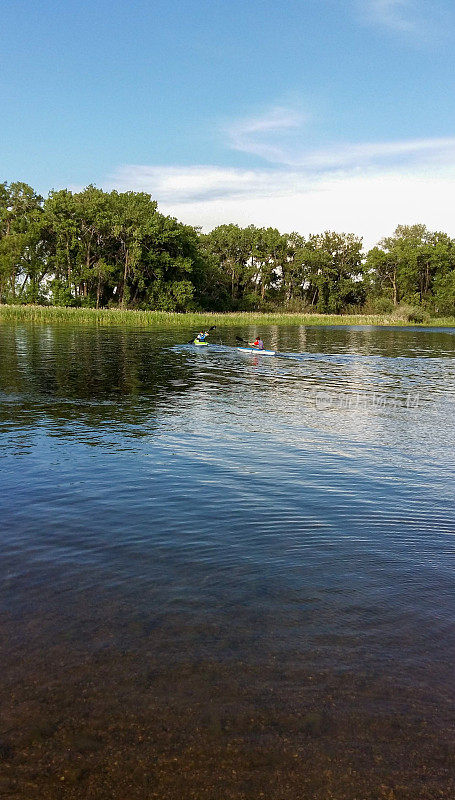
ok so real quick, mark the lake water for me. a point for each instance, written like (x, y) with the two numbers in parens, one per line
(227, 575)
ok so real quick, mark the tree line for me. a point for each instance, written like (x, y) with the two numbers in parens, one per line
(115, 249)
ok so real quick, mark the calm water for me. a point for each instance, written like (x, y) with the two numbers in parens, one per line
(227, 576)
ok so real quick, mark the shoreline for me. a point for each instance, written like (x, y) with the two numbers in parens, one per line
(161, 319)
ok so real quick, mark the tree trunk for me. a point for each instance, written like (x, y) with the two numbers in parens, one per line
(427, 279)
(68, 265)
(125, 275)
(21, 292)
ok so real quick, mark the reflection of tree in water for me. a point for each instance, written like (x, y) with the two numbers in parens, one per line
(94, 376)
(378, 341)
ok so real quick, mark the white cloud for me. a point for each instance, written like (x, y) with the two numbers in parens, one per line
(194, 183)
(258, 135)
(365, 154)
(365, 188)
(369, 203)
(397, 15)
(419, 21)
(278, 136)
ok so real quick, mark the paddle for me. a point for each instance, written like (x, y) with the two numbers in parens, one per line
(208, 331)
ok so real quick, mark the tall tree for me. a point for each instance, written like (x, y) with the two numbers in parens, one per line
(20, 226)
(406, 264)
(329, 272)
(234, 249)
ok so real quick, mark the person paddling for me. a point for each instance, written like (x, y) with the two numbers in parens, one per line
(202, 335)
(258, 343)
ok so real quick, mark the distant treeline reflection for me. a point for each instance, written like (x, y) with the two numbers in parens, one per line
(98, 378)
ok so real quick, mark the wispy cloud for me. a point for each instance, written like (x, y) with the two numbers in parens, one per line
(279, 137)
(195, 183)
(361, 155)
(201, 183)
(265, 135)
(403, 16)
(364, 187)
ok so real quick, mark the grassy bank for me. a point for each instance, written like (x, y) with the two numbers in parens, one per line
(164, 319)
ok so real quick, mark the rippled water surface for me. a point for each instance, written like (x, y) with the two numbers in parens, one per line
(227, 575)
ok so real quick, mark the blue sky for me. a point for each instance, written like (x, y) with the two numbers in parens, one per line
(307, 115)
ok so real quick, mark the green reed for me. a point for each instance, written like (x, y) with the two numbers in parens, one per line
(167, 319)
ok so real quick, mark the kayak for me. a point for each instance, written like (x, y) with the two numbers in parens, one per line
(241, 349)
(256, 350)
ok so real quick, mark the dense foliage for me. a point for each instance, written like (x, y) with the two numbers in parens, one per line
(111, 249)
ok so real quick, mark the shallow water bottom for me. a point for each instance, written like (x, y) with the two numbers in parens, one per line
(110, 705)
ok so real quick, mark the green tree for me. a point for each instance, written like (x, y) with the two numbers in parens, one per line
(269, 258)
(62, 223)
(405, 265)
(328, 271)
(234, 248)
(20, 231)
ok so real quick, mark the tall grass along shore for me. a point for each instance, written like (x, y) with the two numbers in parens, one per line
(163, 319)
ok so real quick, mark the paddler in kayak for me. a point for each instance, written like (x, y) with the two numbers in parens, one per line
(201, 337)
(258, 344)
